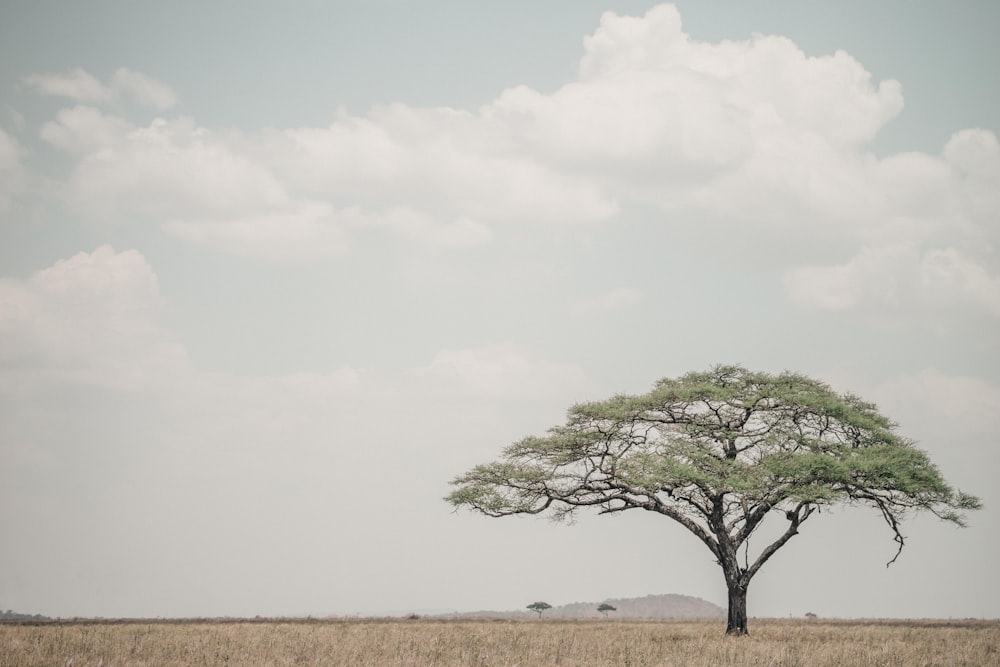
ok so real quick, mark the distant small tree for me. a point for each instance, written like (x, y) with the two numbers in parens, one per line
(539, 607)
(811, 616)
(605, 608)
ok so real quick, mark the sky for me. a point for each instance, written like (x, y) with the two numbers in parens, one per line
(272, 274)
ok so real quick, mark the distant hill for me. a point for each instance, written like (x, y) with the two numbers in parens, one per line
(669, 605)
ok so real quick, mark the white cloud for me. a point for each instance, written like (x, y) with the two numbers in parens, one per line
(661, 113)
(768, 82)
(242, 194)
(76, 84)
(171, 169)
(84, 129)
(308, 229)
(735, 142)
(90, 318)
(876, 276)
(437, 161)
(976, 153)
(974, 158)
(928, 241)
(654, 115)
(81, 86)
(898, 277)
(948, 275)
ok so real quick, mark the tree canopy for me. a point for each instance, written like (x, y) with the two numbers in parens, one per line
(539, 607)
(718, 452)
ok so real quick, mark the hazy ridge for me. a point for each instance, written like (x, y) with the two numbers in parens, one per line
(669, 605)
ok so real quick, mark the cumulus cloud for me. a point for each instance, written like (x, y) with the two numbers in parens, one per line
(234, 193)
(974, 158)
(439, 161)
(76, 84)
(733, 142)
(898, 276)
(85, 129)
(654, 115)
(90, 318)
(876, 276)
(931, 240)
(168, 170)
(82, 86)
(948, 274)
(309, 229)
(664, 114)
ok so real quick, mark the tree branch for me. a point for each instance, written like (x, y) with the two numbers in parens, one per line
(795, 518)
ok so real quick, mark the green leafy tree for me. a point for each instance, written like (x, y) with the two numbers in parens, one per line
(719, 452)
(539, 607)
(604, 608)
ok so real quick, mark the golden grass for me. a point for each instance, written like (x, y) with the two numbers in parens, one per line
(466, 643)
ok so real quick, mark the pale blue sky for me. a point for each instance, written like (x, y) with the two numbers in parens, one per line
(272, 274)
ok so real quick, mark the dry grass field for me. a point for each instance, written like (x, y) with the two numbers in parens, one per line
(465, 643)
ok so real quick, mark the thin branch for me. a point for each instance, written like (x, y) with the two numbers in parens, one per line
(795, 518)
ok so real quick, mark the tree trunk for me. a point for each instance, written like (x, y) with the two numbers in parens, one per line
(736, 625)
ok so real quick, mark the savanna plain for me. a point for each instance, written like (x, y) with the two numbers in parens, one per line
(534, 643)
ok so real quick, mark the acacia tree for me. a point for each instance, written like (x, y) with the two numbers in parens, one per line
(604, 608)
(719, 452)
(539, 607)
